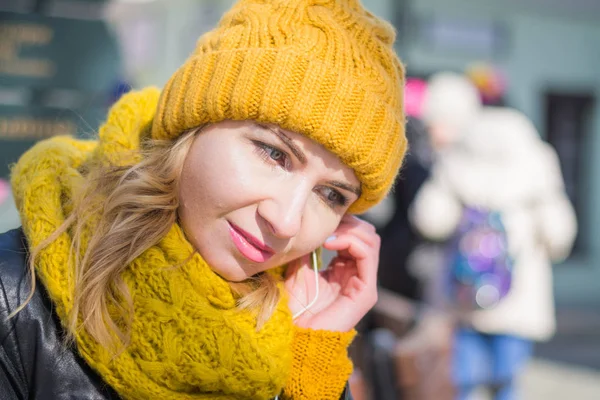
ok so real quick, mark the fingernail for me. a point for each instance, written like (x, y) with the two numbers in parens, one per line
(330, 238)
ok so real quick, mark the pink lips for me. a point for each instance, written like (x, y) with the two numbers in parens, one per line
(251, 247)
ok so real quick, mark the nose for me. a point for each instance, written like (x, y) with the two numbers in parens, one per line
(284, 210)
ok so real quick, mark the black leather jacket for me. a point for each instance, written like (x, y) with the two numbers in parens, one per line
(35, 362)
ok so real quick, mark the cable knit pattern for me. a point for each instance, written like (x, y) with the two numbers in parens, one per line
(188, 339)
(321, 365)
(323, 68)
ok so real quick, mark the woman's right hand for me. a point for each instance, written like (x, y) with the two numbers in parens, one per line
(347, 288)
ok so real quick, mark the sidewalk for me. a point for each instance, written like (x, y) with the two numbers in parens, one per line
(568, 366)
(546, 380)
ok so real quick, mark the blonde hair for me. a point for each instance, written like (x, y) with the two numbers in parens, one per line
(131, 208)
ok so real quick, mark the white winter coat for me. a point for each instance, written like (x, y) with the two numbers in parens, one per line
(502, 164)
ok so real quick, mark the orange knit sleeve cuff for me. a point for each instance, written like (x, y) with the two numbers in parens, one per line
(320, 366)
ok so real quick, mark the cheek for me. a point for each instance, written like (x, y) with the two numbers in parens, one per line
(196, 191)
(212, 182)
(317, 227)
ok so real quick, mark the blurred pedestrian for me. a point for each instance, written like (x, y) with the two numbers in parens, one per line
(398, 237)
(450, 104)
(500, 165)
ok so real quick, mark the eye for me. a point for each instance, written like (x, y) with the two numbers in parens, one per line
(333, 197)
(276, 154)
(272, 154)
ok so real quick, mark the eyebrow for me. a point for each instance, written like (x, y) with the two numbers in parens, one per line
(288, 142)
(300, 156)
(347, 187)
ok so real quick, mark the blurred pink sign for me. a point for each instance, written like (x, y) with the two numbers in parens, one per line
(414, 93)
(4, 190)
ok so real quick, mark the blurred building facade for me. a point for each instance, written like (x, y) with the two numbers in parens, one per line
(58, 61)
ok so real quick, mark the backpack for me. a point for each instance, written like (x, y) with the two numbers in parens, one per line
(479, 266)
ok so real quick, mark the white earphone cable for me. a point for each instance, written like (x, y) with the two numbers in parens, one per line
(316, 270)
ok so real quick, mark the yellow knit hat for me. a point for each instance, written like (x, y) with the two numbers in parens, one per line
(322, 68)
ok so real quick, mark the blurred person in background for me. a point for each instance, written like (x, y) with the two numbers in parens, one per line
(177, 253)
(499, 164)
(450, 104)
(398, 238)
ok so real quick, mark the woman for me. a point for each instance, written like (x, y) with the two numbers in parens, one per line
(174, 254)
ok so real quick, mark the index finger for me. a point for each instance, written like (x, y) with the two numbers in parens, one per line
(365, 260)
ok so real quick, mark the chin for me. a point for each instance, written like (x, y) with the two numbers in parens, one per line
(232, 274)
(235, 277)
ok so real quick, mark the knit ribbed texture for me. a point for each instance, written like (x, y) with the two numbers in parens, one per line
(323, 68)
(321, 364)
(188, 340)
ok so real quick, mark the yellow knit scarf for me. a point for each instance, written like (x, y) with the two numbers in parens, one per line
(188, 339)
